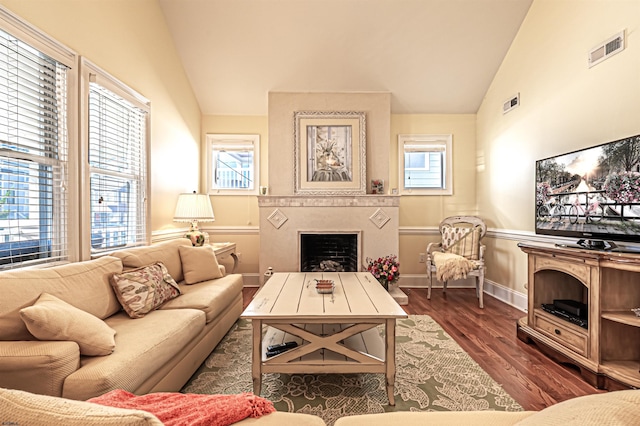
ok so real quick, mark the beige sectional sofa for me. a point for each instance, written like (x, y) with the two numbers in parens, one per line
(619, 408)
(159, 351)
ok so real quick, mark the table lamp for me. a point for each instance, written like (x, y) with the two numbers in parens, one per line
(193, 208)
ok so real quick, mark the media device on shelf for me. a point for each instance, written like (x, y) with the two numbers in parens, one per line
(592, 194)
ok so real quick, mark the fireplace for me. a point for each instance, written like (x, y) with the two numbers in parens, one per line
(329, 252)
(283, 219)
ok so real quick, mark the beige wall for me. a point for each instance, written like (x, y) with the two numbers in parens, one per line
(237, 216)
(564, 106)
(282, 106)
(130, 40)
(420, 215)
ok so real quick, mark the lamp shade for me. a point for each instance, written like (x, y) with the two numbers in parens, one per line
(193, 207)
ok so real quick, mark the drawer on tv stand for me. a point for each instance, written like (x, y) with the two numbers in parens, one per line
(569, 335)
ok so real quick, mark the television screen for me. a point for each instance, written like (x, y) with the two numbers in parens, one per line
(592, 194)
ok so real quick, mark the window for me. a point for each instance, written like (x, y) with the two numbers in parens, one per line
(425, 164)
(35, 87)
(117, 120)
(233, 164)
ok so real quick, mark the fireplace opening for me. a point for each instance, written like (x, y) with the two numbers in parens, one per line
(329, 252)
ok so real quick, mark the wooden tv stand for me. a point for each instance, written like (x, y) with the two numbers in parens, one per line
(608, 351)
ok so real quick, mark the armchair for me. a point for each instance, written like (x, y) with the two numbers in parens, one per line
(459, 253)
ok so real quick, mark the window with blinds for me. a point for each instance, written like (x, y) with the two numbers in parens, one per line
(425, 164)
(117, 170)
(33, 155)
(233, 164)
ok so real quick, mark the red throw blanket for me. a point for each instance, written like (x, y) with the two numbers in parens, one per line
(179, 409)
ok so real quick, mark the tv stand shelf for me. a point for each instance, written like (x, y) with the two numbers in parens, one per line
(608, 282)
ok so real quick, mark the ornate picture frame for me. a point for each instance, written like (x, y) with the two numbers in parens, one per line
(330, 153)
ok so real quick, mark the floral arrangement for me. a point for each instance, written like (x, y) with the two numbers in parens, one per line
(623, 187)
(543, 191)
(385, 269)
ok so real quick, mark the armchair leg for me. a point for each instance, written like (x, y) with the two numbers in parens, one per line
(480, 288)
(444, 286)
(429, 282)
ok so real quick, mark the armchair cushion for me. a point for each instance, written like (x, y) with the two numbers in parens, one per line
(451, 266)
(461, 241)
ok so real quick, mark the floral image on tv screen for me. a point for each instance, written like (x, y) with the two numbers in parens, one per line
(593, 192)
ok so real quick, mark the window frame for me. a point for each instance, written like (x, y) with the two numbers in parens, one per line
(90, 72)
(64, 201)
(431, 142)
(220, 140)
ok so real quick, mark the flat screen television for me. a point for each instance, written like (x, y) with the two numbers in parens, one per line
(592, 194)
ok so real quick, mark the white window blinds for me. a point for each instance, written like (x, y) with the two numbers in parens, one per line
(33, 155)
(118, 170)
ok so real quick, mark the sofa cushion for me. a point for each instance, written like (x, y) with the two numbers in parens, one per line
(280, 418)
(143, 346)
(199, 264)
(38, 367)
(612, 408)
(24, 408)
(53, 319)
(144, 289)
(211, 297)
(440, 418)
(165, 252)
(84, 285)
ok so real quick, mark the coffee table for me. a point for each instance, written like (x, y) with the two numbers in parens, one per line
(335, 333)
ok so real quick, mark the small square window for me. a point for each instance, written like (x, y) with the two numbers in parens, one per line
(233, 164)
(425, 164)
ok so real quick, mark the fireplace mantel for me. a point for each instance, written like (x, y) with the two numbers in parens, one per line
(284, 218)
(334, 201)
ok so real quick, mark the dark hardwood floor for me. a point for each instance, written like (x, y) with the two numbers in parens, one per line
(534, 380)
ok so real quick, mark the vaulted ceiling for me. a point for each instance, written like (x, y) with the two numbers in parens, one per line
(433, 56)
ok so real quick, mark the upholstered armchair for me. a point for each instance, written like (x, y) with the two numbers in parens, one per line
(459, 253)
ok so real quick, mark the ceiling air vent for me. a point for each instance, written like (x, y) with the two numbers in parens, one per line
(513, 102)
(606, 49)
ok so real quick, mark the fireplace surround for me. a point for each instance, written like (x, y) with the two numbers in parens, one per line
(374, 218)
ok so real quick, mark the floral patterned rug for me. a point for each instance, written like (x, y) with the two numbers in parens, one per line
(432, 374)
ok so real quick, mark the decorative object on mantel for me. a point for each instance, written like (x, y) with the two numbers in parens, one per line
(385, 269)
(329, 153)
(377, 186)
(636, 311)
(193, 208)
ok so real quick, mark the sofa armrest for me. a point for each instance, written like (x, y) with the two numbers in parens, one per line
(36, 366)
(223, 270)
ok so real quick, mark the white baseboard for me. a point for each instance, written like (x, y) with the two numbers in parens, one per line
(509, 296)
(251, 280)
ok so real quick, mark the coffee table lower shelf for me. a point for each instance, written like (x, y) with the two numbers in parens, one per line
(325, 348)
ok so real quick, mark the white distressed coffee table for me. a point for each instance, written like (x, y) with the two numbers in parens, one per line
(335, 333)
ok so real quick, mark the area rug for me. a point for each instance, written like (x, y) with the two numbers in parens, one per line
(433, 373)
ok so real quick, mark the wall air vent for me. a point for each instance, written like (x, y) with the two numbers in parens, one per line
(513, 102)
(606, 49)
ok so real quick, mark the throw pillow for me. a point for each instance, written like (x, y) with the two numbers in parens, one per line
(50, 318)
(144, 289)
(461, 241)
(199, 264)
